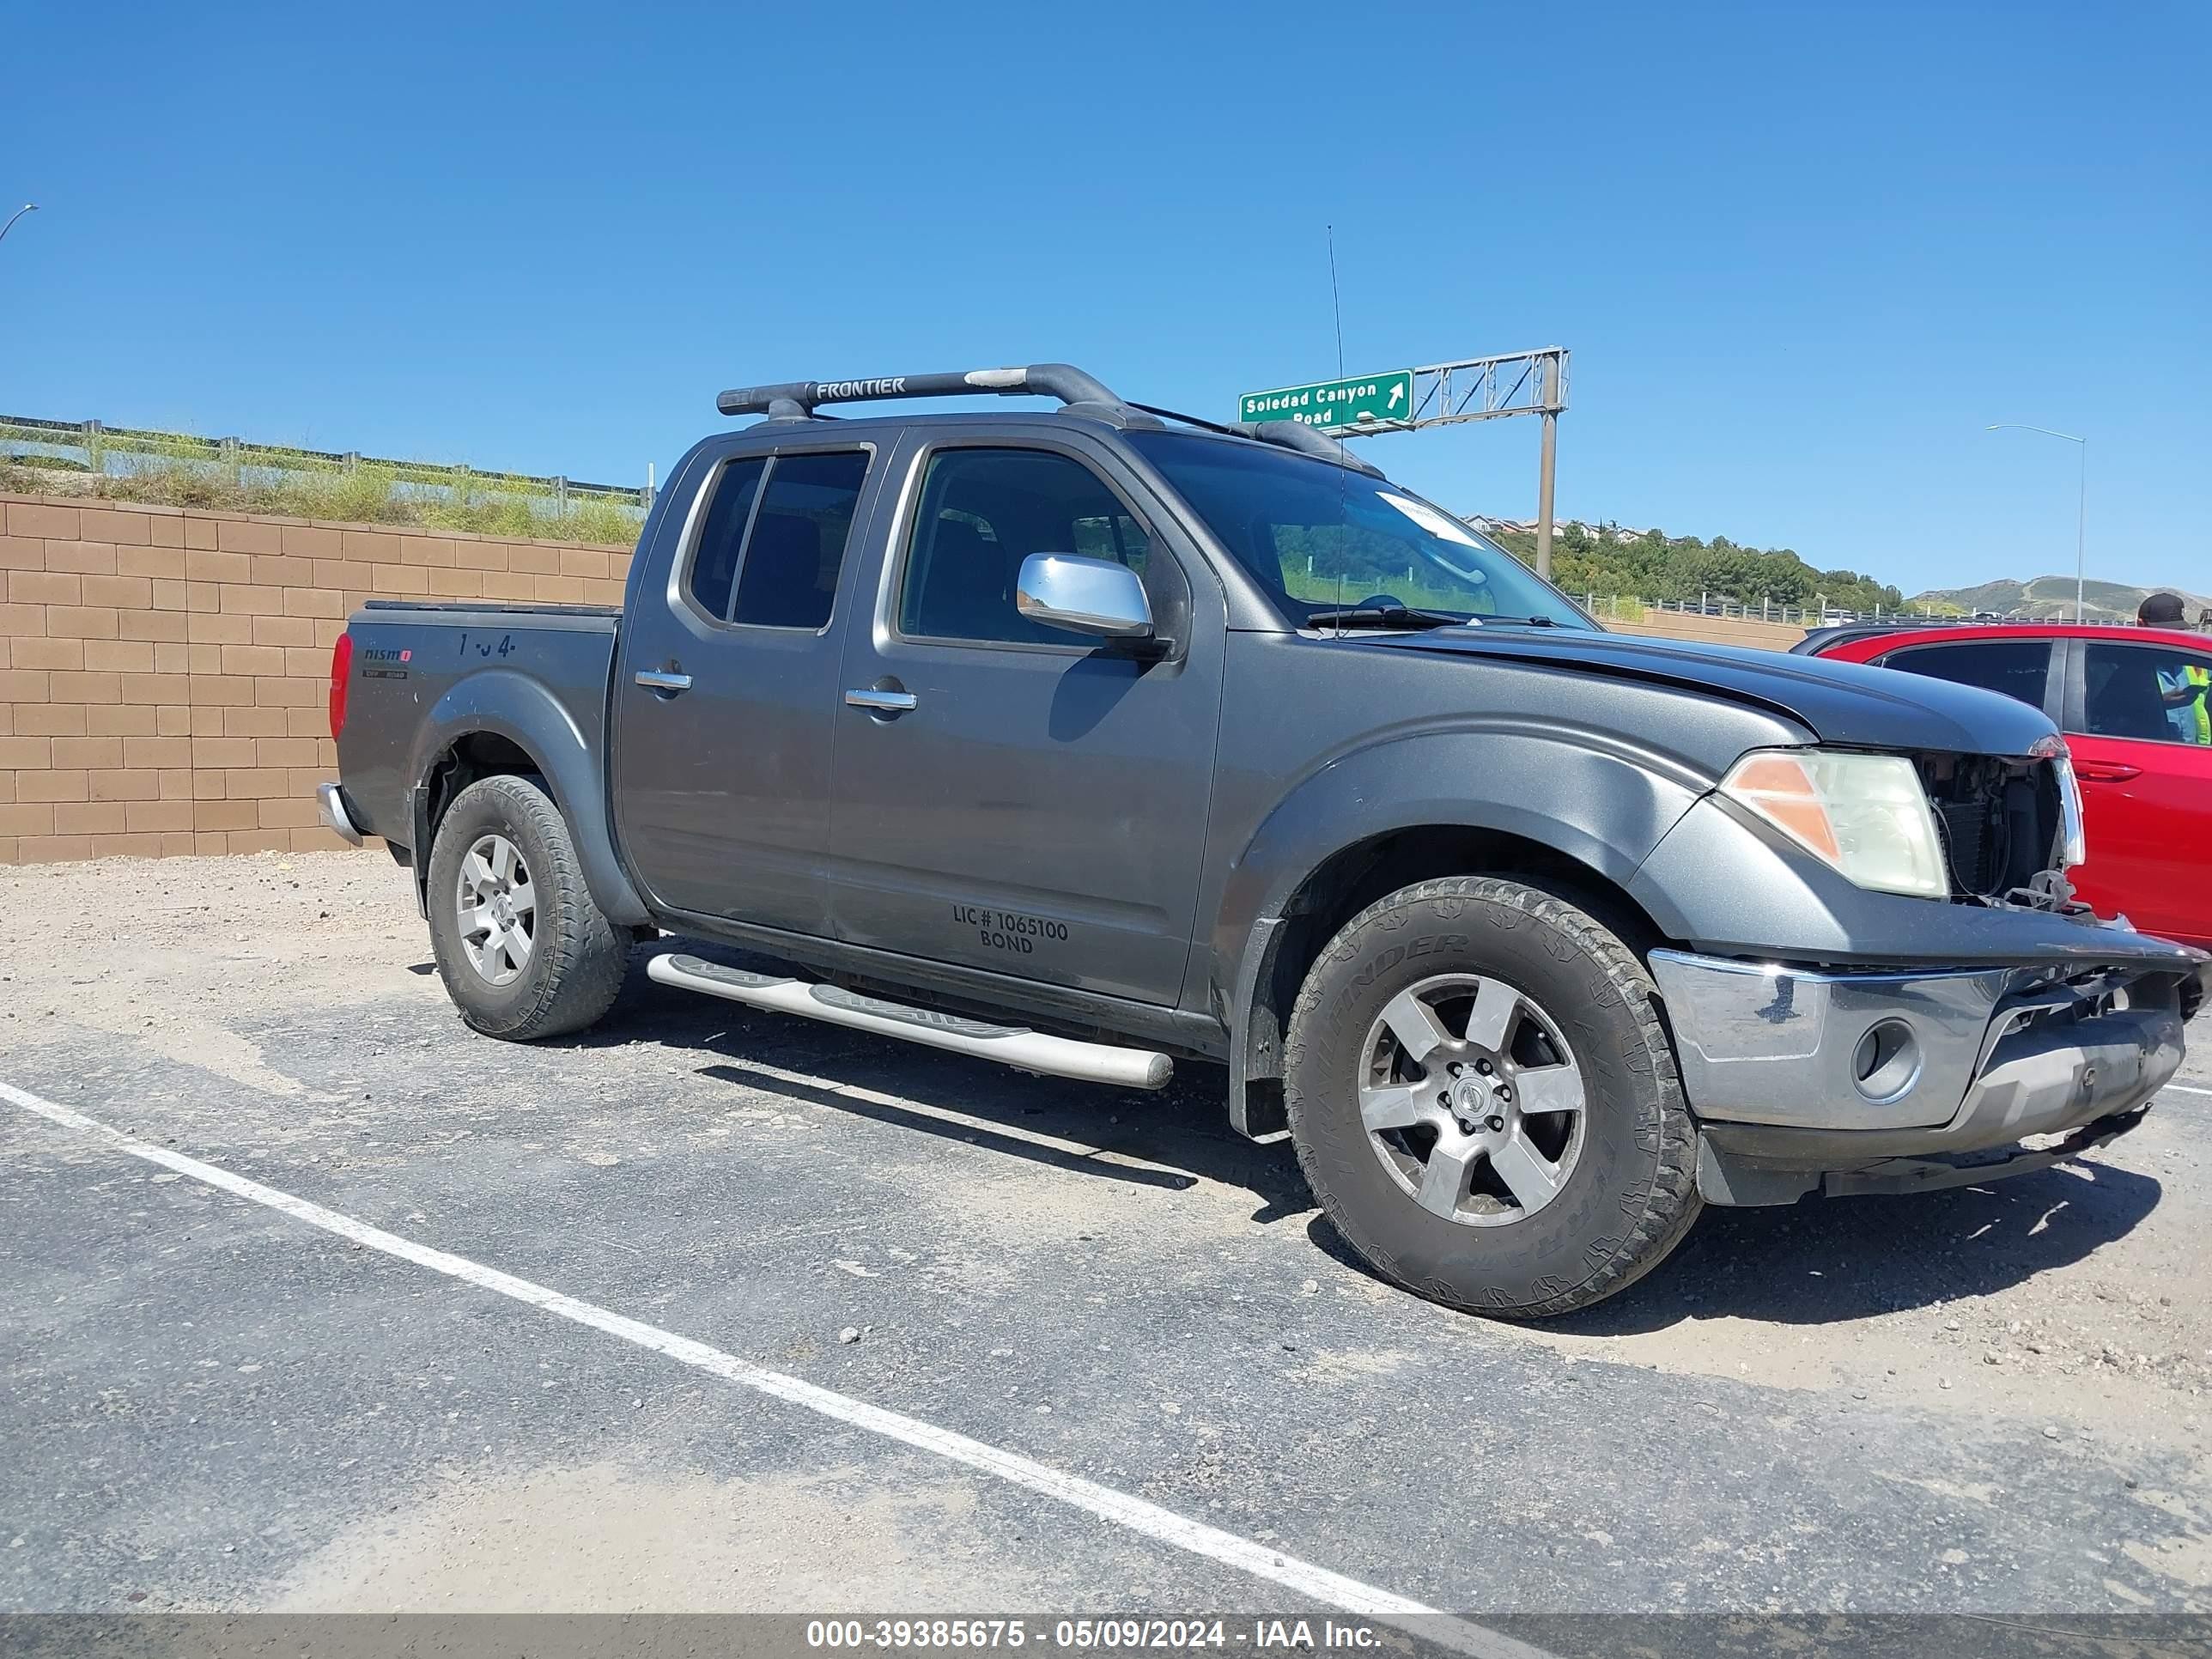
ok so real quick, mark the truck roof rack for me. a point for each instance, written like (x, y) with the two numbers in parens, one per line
(797, 400)
(1284, 435)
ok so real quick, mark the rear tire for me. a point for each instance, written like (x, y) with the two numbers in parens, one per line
(523, 948)
(1483, 1098)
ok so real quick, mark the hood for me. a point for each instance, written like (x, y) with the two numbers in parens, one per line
(1840, 702)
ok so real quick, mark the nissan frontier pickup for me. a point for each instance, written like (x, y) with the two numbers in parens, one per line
(1097, 739)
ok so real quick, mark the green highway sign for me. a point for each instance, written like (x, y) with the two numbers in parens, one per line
(1332, 405)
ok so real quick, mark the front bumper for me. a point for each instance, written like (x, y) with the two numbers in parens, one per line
(1801, 1078)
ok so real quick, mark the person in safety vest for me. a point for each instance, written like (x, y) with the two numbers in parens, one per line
(2185, 687)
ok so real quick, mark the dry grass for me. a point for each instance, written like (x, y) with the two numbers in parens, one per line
(367, 493)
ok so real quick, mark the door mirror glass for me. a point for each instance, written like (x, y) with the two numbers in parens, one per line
(1085, 596)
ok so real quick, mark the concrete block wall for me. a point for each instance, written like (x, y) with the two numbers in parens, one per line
(164, 672)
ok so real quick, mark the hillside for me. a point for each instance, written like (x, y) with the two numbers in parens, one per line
(1649, 564)
(2050, 596)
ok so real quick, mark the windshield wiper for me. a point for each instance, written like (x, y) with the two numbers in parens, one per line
(1526, 622)
(1383, 615)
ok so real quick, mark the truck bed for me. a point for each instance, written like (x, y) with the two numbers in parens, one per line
(423, 670)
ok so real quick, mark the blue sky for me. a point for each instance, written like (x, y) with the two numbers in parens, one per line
(1803, 255)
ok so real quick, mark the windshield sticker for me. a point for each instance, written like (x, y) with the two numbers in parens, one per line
(1444, 529)
(1437, 523)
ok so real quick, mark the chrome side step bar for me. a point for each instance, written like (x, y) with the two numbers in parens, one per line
(1010, 1045)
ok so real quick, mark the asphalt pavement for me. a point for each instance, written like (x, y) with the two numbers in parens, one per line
(1047, 1346)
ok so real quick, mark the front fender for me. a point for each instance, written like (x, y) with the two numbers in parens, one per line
(1596, 800)
(514, 707)
(1602, 805)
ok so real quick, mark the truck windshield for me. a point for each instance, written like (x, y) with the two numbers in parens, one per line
(1327, 541)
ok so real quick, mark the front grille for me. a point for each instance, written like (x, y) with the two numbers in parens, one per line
(1998, 819)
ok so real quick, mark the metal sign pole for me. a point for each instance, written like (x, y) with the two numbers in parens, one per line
(1547, 463)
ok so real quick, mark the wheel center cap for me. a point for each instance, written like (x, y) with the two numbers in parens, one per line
(1470, 1098)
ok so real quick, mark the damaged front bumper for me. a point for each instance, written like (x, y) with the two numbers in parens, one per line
(1890, 1082)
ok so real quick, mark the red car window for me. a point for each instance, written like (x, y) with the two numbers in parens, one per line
(2152, 694)
(2019, 668)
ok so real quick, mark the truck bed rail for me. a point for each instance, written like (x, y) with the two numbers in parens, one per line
(501, 607)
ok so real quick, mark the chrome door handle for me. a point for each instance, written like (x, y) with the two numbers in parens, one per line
(880, 702)
(661, 679)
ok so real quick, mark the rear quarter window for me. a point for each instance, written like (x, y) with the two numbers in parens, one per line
(713, 568)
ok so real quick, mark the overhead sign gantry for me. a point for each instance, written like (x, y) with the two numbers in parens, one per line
(1440, 394)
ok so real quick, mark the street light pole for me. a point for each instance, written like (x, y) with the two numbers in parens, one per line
(2081, 507)
(27, 207)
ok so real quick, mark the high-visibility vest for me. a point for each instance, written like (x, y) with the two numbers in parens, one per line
(2197, 713)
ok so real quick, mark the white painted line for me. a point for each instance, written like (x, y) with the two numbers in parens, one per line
(2183, 1089)
(1147, 1519)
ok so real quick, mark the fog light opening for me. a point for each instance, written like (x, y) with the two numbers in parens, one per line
(1886, 1062)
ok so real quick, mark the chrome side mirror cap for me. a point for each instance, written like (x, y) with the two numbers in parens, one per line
(1088, 596)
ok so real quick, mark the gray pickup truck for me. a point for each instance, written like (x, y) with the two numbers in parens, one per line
(1092, 739)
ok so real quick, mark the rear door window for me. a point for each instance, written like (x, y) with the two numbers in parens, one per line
(2019, 668)
(773, 538)
(2151, 693)
(788, 576)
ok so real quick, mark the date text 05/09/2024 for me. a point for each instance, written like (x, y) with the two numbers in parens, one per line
(1260, 1635)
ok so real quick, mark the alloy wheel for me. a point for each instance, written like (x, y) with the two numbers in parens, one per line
(496, 905)
(1472, 1099)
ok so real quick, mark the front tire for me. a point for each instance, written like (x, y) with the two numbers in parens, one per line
(524, 948)
(1483, 1098)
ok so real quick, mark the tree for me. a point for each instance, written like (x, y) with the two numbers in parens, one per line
(1655, 566)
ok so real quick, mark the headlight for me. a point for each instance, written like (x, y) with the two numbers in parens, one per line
(1864, 814)
(2073, 843)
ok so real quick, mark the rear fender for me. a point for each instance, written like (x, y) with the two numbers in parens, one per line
(514, 706)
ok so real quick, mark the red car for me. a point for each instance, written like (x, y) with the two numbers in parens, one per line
(2130, 703)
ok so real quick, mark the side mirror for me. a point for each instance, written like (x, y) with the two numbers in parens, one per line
(1088, 596)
